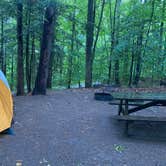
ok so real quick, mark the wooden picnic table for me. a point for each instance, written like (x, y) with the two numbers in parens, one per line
(143, 100)
(138, 101)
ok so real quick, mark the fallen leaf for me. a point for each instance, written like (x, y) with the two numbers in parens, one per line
(119, 148)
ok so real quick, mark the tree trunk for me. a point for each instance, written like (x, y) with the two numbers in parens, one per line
(89, 42)
(12, 73)
(117, 24)
(27, 55)
(2, 45)
(78, 63)
(111, 43)
(70, 59)
(139, 56)
(98, 29)
(5, 59)
(161, 46)
(117, 81)
(164, 58)
(46, 47)
(61, 66)
(114, 26)
(20, 68)
(131, 67)
(32, 60)
(49, 79)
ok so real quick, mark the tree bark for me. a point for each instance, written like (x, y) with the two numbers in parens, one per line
(89, 42)
(70, 58)
(49, 79)
(46, 47)
(32, 60)
(27, 55)
(131, 66)
(12, 73)
(2, 45)
(161, 46)
(114, 26)
(20, 68)
(111, 42)
(5, 59)
(139, 56)
(117, 24)
(98, 29)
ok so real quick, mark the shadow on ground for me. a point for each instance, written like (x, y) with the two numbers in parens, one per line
(150, 131)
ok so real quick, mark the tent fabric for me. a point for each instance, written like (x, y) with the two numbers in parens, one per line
(3, 78)
(6, 104)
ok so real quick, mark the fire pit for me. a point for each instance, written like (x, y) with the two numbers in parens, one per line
(102, 96)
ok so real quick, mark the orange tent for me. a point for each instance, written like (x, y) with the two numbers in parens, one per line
(6, 104)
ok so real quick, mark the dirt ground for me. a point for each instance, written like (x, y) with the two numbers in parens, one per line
(70, 128)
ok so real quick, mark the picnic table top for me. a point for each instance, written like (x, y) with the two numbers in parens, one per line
(152, 96)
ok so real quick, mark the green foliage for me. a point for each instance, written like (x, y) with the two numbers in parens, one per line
(132, 15)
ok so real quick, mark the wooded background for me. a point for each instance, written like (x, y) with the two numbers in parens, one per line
(62, 44)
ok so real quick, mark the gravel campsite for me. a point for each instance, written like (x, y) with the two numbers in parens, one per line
(70, 128)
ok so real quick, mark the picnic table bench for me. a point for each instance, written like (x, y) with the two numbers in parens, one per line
(132, 102)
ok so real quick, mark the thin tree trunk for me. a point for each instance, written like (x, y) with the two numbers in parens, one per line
(164, 56)
(131, 66)
(113, 33)
(46, 47)
(107, 52)
(139, 56)
(27, 55)
(61, 68)
(70, 59)
(114, 24)
(32, 60)
(98, 28)
(117, 22)
(12, 73)
(109, 71)
(161, 47)
(150, 22)
(20, 68)
(117, 81)
(78, 65)
(5, 59)
(2, 45)
(111, 43)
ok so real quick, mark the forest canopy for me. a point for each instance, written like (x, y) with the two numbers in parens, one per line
(121, 42)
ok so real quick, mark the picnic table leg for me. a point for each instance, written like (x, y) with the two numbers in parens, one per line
(126, 107)
(126, 132)
(120, 107)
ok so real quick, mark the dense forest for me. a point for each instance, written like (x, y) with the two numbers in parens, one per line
(76, 43)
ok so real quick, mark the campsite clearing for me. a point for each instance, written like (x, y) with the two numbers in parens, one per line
(70, 128)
